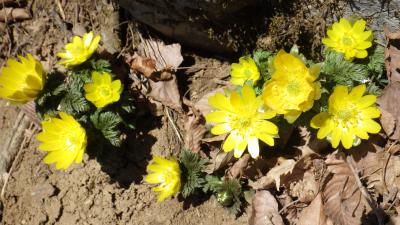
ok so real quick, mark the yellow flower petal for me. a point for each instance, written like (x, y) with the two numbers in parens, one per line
(217, 117)
(64, 140)
(349, 117)
(79, 50)
(253, 147)
(22, 81)
(367, 101)
(349, 39)
(165, 172)
(102, 91)
(221, 129)
(347, 139)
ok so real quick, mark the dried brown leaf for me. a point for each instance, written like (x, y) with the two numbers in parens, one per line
(314, 214)
(265, 210)
(343, 201)
(219, 159)
(284, 167)
(392, 55)
(195, 130)
(13, 14)
(237, 169)
(166, 92)
(146, 66)
(381, 170)
(304, 189)
(310, 144)
(388, 103)
(166, 56)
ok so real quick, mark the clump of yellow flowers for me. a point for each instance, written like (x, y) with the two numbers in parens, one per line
(79, 50)
(243, 116)
(22, 81)
(244, 71)
(350, 39)
(349, 117)
(64, 139)
(165, 172)
(293, 87)
(103, 90)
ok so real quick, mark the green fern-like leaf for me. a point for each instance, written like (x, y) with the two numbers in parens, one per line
(262, 59)
(193, 166)
(107, 123)
(337, 70)
(101, 65)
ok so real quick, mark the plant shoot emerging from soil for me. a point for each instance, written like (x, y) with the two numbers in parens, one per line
(22, 81)
(79, 50)
(64, 139)
(242, 115)
(350, 39)
(349, 117)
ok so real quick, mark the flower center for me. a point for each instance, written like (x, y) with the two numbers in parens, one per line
(293, 87)
(247, 72)
(347, 41)
(70, 144)
(104, 91)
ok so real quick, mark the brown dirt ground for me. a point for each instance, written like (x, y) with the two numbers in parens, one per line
(109, 190)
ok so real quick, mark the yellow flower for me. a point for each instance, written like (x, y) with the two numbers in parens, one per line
(79, 50)
(351, 40)
(242, 116)
(292, 88)
(349, 117)
(102, 91)
(64, 139)
(21, 82)
(245, 70)
(166, 173)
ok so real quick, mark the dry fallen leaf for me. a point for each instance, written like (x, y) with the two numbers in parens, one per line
(265, 210)
(194, 130)
(310, 143)
(343, 201)
(166, 92)
(314, 214)
(219, 159)
(388, 103)
(13, 14)
(392, 55)
(381, 170)
(285, 166)
(304, 189)
(237, 169)
(146, 66)
(165, 55)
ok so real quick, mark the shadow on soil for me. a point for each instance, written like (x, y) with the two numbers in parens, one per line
(128, 164)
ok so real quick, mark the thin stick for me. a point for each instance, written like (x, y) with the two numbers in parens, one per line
(173, 125)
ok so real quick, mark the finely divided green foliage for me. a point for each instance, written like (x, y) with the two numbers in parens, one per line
(336, 70)
(192, 169)
(66, 93)
(227, 191)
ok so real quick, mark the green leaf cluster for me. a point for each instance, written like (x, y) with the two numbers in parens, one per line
(227, 191)
(65, 93)
(192, 167)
